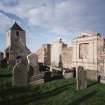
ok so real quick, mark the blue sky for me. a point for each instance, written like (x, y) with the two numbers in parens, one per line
(46, 20)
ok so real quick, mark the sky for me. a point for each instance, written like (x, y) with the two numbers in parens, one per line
(46, 20)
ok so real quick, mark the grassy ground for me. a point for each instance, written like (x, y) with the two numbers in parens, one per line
(5, 77)
(59, 92)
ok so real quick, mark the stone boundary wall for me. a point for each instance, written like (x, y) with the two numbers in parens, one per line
(92, 74)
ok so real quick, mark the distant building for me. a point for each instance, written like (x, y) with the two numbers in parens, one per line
(87, 50)
(44, 54)
(56, 52)
(16, 43)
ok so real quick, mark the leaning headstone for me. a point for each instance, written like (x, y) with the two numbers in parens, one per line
(20, 73)
(81, 78)
(33, 63)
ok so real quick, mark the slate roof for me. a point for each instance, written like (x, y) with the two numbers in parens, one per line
(16, 27)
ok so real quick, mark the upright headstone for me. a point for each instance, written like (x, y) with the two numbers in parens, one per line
(1, 56)
(20, 73)
(33, 63)
(34, 75)
(81, 78)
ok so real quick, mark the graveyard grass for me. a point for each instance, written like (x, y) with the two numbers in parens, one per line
(5, 77)
(58, 92)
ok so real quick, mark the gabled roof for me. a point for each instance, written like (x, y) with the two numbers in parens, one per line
(16, 27)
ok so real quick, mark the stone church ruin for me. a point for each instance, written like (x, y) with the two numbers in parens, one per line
(87, 50)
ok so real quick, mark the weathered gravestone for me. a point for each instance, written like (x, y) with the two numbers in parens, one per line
(34, 75)
(81, 78)
(33, 63)
(20, 73)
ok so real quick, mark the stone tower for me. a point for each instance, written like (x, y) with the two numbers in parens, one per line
(56, 51)
(16, 43)
(15, 35)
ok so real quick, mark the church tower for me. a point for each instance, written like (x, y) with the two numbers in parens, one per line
(15, 35)
(16, 42)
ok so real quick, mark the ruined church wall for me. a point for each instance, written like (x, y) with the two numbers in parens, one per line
(91, 61)
(67, 57)
(44, 54)
(8, 39)
(94, 49)
(56, 50)
(40, 54)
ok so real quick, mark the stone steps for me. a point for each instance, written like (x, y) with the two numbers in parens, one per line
(39, 81)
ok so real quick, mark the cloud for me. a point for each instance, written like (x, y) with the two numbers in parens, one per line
(54, 17)
(5, 23)
(10, 2)
(61, 16)
(11, 16)
(68, 16)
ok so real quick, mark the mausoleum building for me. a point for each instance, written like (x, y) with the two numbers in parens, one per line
(87, 48)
